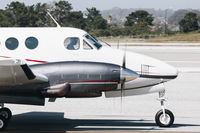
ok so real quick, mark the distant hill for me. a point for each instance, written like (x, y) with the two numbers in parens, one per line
(179, 14)
(174, 16)
(119, 15)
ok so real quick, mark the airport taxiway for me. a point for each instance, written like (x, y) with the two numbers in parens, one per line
(135, 114)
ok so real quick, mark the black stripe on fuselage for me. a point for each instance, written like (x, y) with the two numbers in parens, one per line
(159, 76)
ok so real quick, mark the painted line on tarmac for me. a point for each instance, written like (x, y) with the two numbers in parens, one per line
(124, 132)
(189, 62)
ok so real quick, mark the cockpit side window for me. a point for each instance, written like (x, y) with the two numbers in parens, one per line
(72, 43)
(86, 46)
(93, 41)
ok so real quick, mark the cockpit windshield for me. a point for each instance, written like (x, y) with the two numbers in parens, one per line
(93, 41)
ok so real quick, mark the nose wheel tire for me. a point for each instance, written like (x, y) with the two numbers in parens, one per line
(3, 123)
(164, 120)
(6, 113)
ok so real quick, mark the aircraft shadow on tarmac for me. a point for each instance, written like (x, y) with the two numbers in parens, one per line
(49, 121)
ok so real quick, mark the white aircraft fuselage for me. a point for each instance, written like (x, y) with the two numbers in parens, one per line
(39, 63)
(51, 49)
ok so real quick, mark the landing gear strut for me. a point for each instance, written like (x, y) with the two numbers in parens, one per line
(164, 117)
(5, 116)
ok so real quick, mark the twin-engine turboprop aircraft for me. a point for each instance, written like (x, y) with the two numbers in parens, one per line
(39, 63)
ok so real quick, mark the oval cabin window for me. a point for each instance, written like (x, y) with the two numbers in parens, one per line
(12, 43)
(31, 42)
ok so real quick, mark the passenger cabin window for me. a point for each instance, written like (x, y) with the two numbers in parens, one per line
(72, 43)
(86, 46)
(11, 43)
(31, 42)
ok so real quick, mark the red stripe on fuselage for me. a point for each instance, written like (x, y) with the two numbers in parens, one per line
(39, 61)
(92, 81)
(4, 56)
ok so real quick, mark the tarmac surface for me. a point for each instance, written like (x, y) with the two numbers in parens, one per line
(135, 114)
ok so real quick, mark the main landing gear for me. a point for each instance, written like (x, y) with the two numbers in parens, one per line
(5, 116)
(164, 117)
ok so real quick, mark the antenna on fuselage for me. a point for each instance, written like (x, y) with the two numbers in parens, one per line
(53, 19)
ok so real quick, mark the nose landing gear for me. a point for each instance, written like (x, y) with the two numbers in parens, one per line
(164, 117)
(5, 116)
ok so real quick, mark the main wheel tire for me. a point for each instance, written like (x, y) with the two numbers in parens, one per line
(3, 123)
(164, 121)
(6, 113)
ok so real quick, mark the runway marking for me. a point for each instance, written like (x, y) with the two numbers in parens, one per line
(190, 62)
(92, 132)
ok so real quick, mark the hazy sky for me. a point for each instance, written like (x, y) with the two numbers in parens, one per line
(108, 4)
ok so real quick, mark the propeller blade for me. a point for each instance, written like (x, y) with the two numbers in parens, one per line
(123, 67)
(124, 80)
(122, 88)
(124, 61)
(124, 58)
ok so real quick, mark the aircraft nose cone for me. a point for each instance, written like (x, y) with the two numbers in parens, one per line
(171, 71)
(175, 72)
(168, 72)
(128, 75)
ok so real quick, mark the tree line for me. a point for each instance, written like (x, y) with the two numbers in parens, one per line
(138, 23)
(17, 14)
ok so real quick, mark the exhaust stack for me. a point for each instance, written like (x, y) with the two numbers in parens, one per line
(60, 90)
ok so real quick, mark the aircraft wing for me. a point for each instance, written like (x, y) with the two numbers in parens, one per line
(17, 72)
